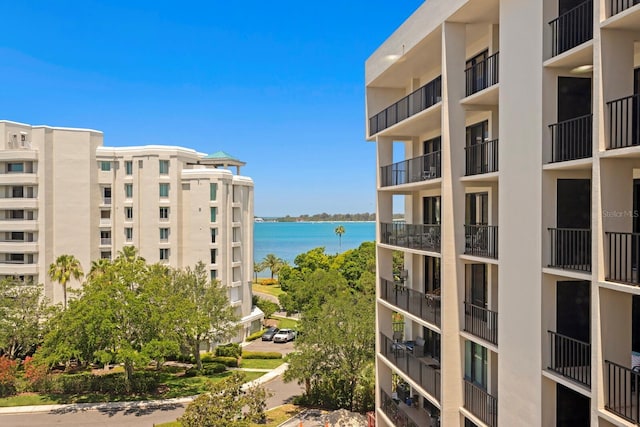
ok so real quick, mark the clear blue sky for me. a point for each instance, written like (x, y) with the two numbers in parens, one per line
(278, 84)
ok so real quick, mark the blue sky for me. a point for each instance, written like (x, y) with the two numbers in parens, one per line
(278, 84)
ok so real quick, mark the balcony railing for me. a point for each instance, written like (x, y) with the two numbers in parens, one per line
(622, 391)
(481, 322)
(106, 200)
(482, 75)
(618, 6)
(570, 358)
(105, 241)
(570, 249)
(480, 403)
(424, 237)
(425, 306)
(624, 257)
(624, 122)
(394, 413)
(572, 28)
(413, 170)
(419, 100)
(481, 158)
(572, 139)
(422, 370)
(481, 240)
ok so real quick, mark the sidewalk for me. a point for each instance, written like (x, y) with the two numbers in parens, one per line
(271, 374)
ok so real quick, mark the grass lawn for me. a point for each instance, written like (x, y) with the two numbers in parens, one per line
(261, 363)
(275, 417)
(178, 386)
(286, 323)
(270, 289)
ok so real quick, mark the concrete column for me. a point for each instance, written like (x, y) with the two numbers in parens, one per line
(520, 206)
(452, 202)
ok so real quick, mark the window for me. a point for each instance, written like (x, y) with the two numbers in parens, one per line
(18, 258)
(214, 234)
(105, 237)
(105, 214)
(213, 191)
(164, 213)
(15, 167)
(236, 214)
(475, 364)
(106, 195)
(128, 191)
(164, 234)
(17, 192)
(16, 214)
(164, 190)
(164, 254)
(214, 213)
(214, 274)
(105, 255)
(17, 236)
(236, 255)
(105, 166)
(128, 234)
(128, 167)
(214, 256)
(236, 234)
(164, 167)
(128, 212)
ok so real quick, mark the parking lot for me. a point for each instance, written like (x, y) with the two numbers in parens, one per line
(259, 345)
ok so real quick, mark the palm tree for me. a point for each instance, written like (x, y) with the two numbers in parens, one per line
(273, 263)
(340, 231)
(257, 268)
(65, 268)
(98, 267)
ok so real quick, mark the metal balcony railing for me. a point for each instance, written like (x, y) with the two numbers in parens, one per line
(481, 322)
(419, 100)
(424, 237)
(480, 403)
(618, 6)
(570, 358)
(570, 249)
(394, 413)
(481, 240)
(105, 241)
(572, 28)
(106, 200)
(426, 374)
(572, 139)
(425, 306)
(482, 75)
(622, 391)
(623, 250)
(624, 122)
(481, 158)
(412, 170)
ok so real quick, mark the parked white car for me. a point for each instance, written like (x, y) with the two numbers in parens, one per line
(284, 335)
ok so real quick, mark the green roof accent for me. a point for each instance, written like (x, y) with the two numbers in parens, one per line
(221, 155)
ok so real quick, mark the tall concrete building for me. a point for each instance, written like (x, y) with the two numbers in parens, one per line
(63, 192)
(508, 134)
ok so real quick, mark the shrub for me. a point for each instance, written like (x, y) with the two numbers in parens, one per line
(213, 368)
(229, 350)
(269, 282)
(207, 357)
(230, 362)
(8, 371)
(261, 355)
(112, 383)
(254, 336)
(36, 374)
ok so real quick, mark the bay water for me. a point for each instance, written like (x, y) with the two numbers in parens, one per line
(287, 240)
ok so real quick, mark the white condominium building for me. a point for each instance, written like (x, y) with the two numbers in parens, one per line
(63, 192)
(508, 135)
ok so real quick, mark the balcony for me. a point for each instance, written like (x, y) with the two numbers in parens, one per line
(624, 122)
(480, 403)
(570, 358)
(572, 28)
(424, 237)
(572, 139)
(623, 250)
(481, 158)
(419, 100)
(481, 240)
(622, 391)
(482, 75)
(481, 322)
(425, 371)
(106, 201)
(424, 306)
(105, 241)
(402, 415)
(571, 249)
(618, 6)
(418, 169)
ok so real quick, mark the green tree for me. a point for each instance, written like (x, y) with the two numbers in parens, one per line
(340, 231)
(98, 267)
(273, 263)
(204, 313)
(64, 269)
(312, 290)
(227, 404)
(267, 307)
(257, 268)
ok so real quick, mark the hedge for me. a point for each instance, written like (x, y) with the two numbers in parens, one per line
(229, 350)
(230, 362)
(114, 383)
(208, 369)
(261, 355)
(254, 336)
